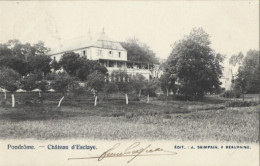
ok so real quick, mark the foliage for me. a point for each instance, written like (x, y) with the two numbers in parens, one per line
(86, 67)
(78, 66)
(137, 51)
(40, 49)
(62, 81)
(240, 103)
(121, 80)
(55, 65)
(110, 87)
(79, 90)
(42, 85)
(96, 80)
(248, 77)
(16, 63)
(167, 82)
(4, 50)
(151, 87)
(138, 82)
(196, 66)
(24, 58)
(40, 63)
(236, 59)
(29, 82)
(231, 94)
(70, 62)
(51, 76)
(9, 79)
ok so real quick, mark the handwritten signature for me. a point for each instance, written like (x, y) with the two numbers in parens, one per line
(133, 151)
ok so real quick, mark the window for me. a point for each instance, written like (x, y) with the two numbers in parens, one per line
(111, 64)
(99, 52)
(110, 53)
(119, 64)
(84, 53)
(119, 54)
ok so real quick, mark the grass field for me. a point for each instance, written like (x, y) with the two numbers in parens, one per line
(179, 120)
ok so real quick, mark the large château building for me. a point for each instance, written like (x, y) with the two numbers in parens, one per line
(107, 52)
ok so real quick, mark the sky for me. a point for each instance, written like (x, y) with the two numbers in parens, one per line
(233, 26)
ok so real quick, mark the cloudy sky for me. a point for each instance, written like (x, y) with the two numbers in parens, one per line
(232, 25)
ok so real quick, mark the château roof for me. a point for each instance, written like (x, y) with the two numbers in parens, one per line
(99, 41)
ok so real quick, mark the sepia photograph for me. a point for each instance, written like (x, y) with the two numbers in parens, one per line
(105, 71)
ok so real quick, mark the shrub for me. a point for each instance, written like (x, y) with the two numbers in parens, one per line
(78, 90)
(167, 116)
(186, 98)
(129, 115)
(240, 103)
(231, 94)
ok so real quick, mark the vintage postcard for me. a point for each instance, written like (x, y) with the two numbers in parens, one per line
(138, 83)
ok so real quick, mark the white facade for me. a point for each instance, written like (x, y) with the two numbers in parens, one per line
(104, 53)
(94, 53)
(108, 52)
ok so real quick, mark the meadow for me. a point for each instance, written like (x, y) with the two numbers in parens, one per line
(208, 119)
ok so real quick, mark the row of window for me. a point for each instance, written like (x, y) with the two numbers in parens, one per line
(110, 53)
(117, 79)
(100, 53)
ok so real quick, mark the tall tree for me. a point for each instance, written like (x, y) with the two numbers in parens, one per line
(137, 51)
(248, 77)
(16, 63)
(4, 50)
(195, 64)
(40, 63)
(55, 65)
(70, 62)
(236, 59)
(24, 58)
(86, 67)
(235, 62)
(40, 49)
(78, 66)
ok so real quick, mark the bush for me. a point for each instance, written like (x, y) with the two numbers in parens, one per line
(240, 103)
(187, 98)
(167, 116)
(231, 94)
(78, 90)
(164, 97)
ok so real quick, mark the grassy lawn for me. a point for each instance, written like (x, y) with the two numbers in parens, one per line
(180, 120)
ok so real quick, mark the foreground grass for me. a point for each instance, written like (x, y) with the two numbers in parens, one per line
(179, 120)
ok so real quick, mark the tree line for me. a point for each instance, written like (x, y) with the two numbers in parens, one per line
(192, 70)
(247, 77)
(28, 67)
(193, 67)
